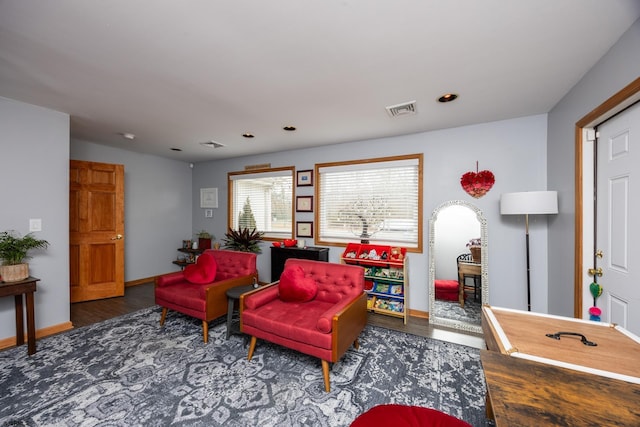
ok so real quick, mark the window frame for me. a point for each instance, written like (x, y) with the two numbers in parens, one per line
(266, 171)
(375, 164)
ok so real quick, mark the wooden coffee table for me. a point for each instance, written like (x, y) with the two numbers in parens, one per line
(533, 379)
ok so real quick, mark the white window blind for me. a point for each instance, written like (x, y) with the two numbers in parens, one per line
(375, 200)
(262, 200)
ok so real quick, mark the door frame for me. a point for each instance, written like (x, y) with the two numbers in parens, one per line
(584, 223)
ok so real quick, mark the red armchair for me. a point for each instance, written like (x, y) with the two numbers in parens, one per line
(316, 308)
(200, 290)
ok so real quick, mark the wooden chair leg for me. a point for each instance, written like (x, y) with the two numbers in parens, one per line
(205, 331)
(252, 347)
(163, 316)
(325, 374)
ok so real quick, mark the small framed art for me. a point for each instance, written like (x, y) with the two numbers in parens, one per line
(304, 229)
(304, 203)
(208, 197)
(304, 178)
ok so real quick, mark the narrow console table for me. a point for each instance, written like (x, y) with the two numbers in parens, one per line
(280, 255)
(17, 289)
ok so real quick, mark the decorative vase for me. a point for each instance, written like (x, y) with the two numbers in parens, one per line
(475, 253)
(14, 273)
(204, 243)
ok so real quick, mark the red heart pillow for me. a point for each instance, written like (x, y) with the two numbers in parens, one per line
(294, 287)
(203, 271)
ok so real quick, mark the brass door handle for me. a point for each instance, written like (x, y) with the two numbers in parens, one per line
(118, 237)
(595, 272)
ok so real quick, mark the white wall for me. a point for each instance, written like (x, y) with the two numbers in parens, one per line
(514, 150)
(619, 67)
(453, 229)
(157, 206)
(34, 157)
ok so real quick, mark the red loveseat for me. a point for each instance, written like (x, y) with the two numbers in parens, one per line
(200, 290)
(319, 311)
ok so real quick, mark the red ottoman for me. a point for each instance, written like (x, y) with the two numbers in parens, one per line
(406, 416)
(447, 290)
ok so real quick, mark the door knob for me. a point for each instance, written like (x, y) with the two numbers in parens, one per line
(595, 272)
(118, 237)
(599, 253)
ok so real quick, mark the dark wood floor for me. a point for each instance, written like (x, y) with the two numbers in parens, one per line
(141, 296)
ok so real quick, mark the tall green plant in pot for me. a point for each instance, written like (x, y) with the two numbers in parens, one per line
(14, 252)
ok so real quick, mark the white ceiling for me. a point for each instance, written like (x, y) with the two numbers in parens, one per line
(178, 73)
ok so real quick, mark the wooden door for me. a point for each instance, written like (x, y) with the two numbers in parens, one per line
(618, 207)
(96, 230)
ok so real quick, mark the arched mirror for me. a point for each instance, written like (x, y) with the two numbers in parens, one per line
(458, 277)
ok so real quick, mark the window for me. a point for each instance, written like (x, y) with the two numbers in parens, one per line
(262, 200)
(375, 199)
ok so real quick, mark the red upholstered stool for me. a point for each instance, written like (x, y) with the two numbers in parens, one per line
(447, 289)
(406, 416)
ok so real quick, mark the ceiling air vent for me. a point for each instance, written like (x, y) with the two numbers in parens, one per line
(403, 109)
(212, 144)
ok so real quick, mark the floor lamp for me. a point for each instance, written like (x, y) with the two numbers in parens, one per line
(529, 203)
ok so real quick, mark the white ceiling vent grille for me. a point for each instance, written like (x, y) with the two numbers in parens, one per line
(212, 144)
(404, 109)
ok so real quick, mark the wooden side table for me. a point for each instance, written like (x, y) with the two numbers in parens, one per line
(26, 287)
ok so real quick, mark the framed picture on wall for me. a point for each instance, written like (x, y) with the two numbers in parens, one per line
(304, 229)
(304, 178)
(304, 204)
(208, 197)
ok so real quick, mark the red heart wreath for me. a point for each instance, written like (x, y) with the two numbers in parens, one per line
(477, 184)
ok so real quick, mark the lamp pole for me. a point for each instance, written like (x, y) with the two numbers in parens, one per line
(526, 225)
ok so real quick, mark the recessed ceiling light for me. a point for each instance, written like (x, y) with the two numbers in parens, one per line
(289, 128)
(176, 149)
(128, 135)
(248, 135)
(448, 97)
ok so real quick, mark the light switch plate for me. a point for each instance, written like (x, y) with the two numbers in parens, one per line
(35, 224)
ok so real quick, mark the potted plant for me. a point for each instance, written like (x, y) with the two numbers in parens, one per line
(475, 248)
(243, 240)
(204, 239)
(13, 253)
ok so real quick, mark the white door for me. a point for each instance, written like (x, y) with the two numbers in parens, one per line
(618, 218)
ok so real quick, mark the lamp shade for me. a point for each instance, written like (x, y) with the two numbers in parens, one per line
(529, 203)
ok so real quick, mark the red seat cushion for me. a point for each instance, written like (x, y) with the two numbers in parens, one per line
(447, 289)
(203, 271)
(295, 287)
(406, 416)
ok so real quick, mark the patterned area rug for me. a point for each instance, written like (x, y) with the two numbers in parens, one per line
(129, 371)
(471, 313)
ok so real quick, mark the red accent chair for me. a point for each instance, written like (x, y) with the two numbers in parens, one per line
(322, 322)
(193, 291)
(406, 416)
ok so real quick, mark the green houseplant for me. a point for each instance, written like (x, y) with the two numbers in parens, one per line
(14, 252)
(244, 240)
(204, 239)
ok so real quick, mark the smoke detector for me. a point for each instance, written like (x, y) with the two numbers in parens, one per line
(404, 109)
(212, 144)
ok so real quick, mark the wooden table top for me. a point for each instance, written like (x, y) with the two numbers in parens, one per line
(528, 393)
(616, 354)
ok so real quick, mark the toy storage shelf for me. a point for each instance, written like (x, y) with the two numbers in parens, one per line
(386, 277)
